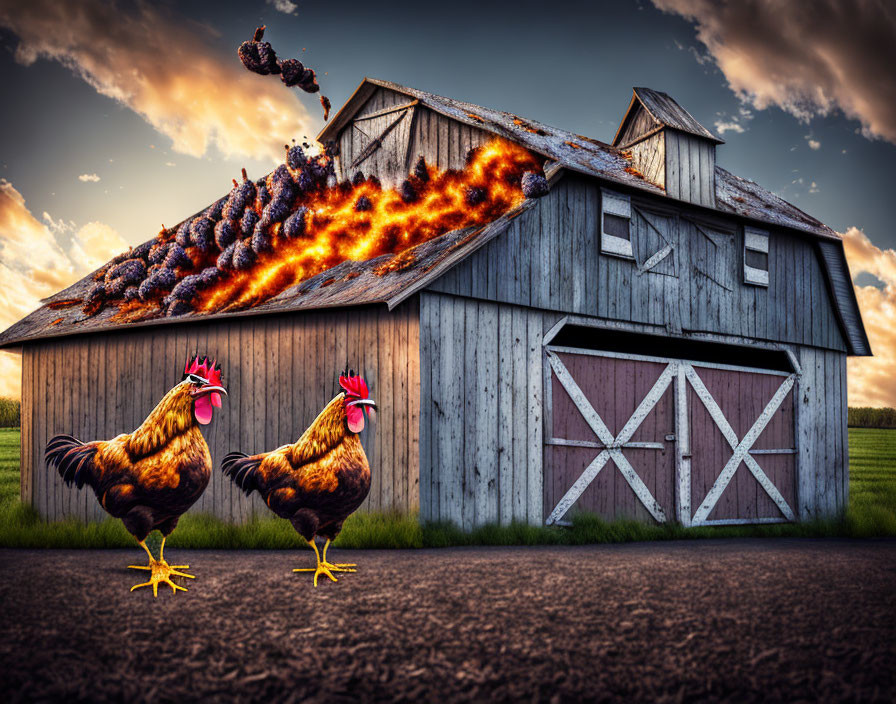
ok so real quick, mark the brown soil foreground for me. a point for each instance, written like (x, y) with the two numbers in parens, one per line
(739, 620)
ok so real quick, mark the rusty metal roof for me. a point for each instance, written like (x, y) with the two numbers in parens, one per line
(667, 112)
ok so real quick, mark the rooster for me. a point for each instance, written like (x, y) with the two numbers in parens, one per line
(150, 477)
(321, 479)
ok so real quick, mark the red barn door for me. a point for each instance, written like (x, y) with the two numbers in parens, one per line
(664, 439)
(611, 449)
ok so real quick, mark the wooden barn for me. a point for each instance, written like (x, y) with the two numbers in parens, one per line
(655, 338)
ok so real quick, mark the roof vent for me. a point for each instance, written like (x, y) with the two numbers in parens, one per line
(669, 147)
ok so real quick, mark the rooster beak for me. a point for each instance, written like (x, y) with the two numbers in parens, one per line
(210, 389)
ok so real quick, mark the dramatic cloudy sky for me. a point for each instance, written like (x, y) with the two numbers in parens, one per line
(119, 117)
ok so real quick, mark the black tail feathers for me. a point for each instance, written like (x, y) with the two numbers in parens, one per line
(241, 469)
(72, 458)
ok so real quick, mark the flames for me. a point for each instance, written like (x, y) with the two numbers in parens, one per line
(429, 204)
(355, 220)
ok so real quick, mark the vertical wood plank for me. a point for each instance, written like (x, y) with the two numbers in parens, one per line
(521, 446)
(534, 420)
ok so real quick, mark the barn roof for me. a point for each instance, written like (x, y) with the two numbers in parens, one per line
(667, 113)
(356, 283)
(388, 279)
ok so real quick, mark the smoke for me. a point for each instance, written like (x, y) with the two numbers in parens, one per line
(34, 265)
(163, 67)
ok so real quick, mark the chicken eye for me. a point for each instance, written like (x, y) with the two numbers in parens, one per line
(194, 379)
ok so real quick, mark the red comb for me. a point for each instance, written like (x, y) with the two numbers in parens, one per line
(205, 369)
(353, 385)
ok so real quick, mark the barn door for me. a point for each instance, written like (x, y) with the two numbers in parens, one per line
(652, 438)
(611, 449)
(742, 462)
(380, 142)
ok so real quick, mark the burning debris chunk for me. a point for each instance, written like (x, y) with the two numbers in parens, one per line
(248, 223)
(183, 234)
(225, 234)
(420, 170)
(243, 256)
(177, 257)
(202, 233)
(142, 251)
(178, 307)
(357, 179)
(294, 225)
(131, 294)
(96, 296)
(209, 276)
(295, 157)
(408, 193)
(214, 211)
(130, 271)
(275, 211)
(535, 185)
(363, 204)
(241, 195)
(475, 195)
(259, 57)
(158, 252)
(261, 240)
(225, 259)
(158, 282)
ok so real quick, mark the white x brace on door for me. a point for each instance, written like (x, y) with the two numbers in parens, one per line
(683, 374)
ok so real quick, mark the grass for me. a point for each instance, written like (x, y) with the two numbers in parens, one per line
(10, 413)
(871, 513)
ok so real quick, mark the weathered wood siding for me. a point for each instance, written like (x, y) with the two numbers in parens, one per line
(389, 161)
(481, 413)
(690, 168)
(638, 123)
(279, 370)
(649, 157)
(823, 464)
(443, 142)
(549, 258)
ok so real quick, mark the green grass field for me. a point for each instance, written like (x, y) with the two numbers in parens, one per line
(871, 513)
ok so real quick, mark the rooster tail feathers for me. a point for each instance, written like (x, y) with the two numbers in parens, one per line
(72, 458)
(241, 469)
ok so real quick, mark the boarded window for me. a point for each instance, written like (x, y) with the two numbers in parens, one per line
(756, 257)
(616, 215)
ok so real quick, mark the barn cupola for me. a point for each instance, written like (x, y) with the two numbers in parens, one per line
(669, 147)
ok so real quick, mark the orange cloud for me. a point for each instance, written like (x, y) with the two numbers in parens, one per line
(33, 265)
(164, 68)
(872, 380)
(808, 58)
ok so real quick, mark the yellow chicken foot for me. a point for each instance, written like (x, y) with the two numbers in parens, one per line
(337, 566)
(321, 568)
(160, 573)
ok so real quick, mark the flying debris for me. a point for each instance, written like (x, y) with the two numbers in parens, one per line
(259, 57)
(535, 185)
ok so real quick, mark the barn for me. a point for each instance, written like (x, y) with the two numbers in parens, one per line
(655, 338)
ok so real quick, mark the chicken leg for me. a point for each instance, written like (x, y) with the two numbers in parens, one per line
(160, 571)
(323, 567)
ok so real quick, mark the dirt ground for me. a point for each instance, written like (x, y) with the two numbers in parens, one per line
(743, 620)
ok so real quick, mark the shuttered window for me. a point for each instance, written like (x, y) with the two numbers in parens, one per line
(756, 257)
(616, 216)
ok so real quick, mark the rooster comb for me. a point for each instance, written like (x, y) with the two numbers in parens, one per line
(204, 368)
(353, 384)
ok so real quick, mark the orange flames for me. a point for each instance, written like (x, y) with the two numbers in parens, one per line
(336, 232)
(359, 221)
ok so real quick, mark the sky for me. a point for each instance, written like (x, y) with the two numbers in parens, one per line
(127, 116)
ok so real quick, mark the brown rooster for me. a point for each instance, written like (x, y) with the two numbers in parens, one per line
(150, 477)
(321, 479)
